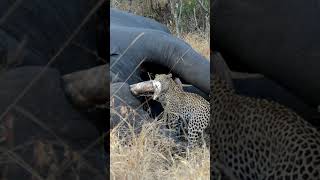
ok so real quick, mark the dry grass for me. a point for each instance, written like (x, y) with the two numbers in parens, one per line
(198, 42)
(149, 155)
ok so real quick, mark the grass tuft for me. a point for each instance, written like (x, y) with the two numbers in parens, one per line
(151, 155)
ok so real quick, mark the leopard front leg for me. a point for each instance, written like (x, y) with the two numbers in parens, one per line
(195, 131)
(193, 137)
(173, 123)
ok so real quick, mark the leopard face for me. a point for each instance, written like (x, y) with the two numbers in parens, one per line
(161, 84)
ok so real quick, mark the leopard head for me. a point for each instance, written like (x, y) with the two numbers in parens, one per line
(161, 84)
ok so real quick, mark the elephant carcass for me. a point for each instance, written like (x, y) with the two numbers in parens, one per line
(32, 32)
(47, 126)
(131, 45)
(34, 112)
(136, 41)
(91, 87)
(279, 39)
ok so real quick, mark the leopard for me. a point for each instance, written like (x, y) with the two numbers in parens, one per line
(183, 111)
(259, 139)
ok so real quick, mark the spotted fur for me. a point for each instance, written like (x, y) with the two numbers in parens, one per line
(256, 139)
(183, 109)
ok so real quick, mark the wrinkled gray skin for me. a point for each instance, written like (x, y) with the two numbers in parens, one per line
(148, 41)
(154, 44)
(277, 39)
(88, 87)
(151, 40)
(31, 35)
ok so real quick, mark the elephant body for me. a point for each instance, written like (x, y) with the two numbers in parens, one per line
(34, 109)
(42, 27)
(279, 39)
(151, 42)
(139, 45)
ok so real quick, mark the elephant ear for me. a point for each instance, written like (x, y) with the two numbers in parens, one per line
(220, 68)
(179, 83)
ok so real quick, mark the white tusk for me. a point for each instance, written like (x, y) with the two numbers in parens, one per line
(157, 89)
(142, 87)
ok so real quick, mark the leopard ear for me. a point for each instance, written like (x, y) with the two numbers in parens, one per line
(170, 75)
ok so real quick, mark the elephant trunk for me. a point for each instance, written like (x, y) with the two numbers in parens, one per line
(159, 48)
(88, 87)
